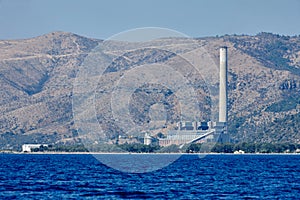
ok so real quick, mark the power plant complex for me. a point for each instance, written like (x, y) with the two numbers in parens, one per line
(190, 132)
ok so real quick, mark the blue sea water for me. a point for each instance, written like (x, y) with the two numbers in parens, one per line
(49, 176)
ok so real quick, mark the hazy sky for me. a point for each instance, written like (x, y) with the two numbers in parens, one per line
(101, 19)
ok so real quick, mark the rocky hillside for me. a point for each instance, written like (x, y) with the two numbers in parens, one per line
(36, 86)
(37, 77)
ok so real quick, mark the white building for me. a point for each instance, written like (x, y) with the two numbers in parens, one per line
(28, 147)
(147, 139)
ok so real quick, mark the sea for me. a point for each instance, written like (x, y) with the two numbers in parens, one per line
(83, 176)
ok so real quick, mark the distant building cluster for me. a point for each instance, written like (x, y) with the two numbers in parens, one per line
(189, 132)
(186, 132)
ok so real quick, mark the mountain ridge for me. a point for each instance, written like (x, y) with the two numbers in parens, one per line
(37, 76)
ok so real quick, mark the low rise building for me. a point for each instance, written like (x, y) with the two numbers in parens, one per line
(29, 147)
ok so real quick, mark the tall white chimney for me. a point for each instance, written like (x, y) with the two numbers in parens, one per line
(223, 85)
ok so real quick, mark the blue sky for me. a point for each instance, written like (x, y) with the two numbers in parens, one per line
(103, 18)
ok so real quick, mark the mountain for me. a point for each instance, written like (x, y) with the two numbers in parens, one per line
(37, 78)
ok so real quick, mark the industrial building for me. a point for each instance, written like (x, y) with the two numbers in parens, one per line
(189, 132)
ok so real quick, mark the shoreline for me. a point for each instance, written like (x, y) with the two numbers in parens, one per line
(132, 153)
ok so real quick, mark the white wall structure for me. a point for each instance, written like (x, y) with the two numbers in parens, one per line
(223, 85)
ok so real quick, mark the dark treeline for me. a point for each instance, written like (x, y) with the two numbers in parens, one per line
(61, 148)
(136, 148)
(248, 148)
(192, 148)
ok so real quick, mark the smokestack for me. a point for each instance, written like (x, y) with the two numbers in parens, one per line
(223, 85)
